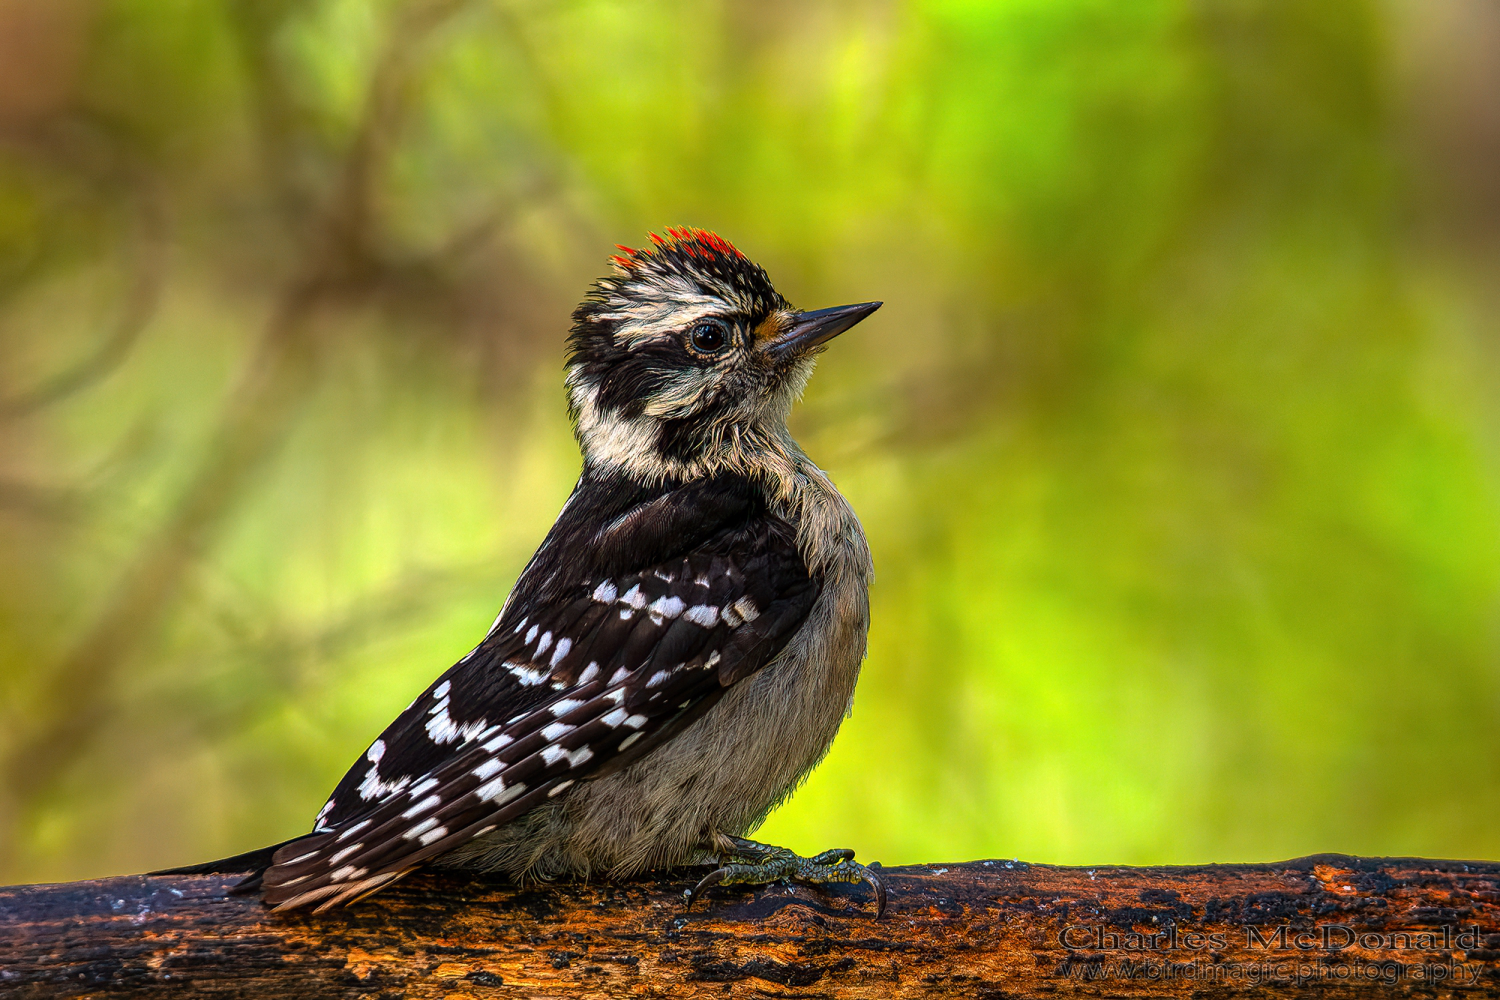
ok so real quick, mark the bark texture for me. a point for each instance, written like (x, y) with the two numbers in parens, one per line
(1330, 925)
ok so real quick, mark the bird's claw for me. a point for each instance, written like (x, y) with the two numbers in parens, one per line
(879, 888)
(712, 878)
(764, 864)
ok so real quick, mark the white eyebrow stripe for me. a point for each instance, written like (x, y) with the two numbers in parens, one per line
(650, 318)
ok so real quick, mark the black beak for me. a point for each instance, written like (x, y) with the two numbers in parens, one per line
(810, 329)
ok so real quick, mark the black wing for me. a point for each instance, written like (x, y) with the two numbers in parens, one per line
(592, 661)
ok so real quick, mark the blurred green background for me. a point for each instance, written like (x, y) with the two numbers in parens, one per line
(1177, 441)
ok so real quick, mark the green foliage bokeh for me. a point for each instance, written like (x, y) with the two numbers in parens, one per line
(1176, 440)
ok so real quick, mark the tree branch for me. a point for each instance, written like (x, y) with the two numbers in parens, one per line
(1333, 925)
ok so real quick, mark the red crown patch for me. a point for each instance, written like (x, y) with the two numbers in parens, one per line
(693, 242)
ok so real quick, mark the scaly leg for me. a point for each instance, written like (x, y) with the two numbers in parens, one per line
(747, 862)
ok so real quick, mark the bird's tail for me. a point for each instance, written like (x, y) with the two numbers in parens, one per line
(253, 862)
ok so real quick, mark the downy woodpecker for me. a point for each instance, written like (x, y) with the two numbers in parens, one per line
(680, 651)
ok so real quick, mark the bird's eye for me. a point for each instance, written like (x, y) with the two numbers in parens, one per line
(708, 336)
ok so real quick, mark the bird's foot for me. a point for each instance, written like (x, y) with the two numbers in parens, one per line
(747, 862)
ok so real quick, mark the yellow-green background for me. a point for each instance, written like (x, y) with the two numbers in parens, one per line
(1177, 440)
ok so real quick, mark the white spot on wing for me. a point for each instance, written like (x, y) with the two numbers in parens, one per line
(564, 645)
(437, 833)
(589, 673)
(318, 825)
(702, 614)
(372, 787)
(579, 756)
(630, 739)
(442, 729)
(524, 674)
(420, 828)
(348, 832)
(341, 855)
(562, 786)
(667, 607)
(606, 593)
(428, 803)
(498, 792)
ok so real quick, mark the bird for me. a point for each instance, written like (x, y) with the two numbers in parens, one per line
(680, 651)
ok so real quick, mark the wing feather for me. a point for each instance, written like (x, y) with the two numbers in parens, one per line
(589, 676)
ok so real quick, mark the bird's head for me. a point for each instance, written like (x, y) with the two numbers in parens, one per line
(686, 359)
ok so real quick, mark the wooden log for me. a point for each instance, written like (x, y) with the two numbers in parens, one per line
(1329, 925)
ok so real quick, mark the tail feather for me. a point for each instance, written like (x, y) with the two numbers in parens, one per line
(251, 861)
(275, 872)
(333, 895)
(305, 860)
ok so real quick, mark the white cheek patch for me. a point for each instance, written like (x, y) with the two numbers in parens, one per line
(633, 444)
(613, 440)
(686, 392)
